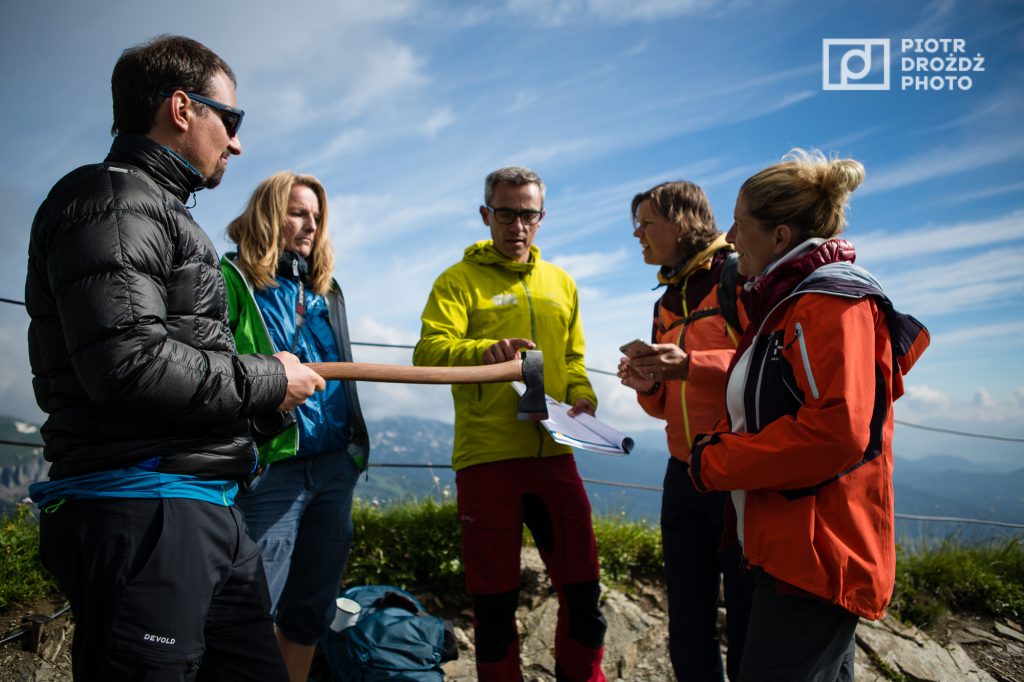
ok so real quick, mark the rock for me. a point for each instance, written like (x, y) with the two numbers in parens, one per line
(635, 646)
(906, 650)
(1009, 632)
(973, 635)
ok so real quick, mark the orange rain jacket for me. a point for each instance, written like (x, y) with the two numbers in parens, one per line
(816, 460)
(697, 404)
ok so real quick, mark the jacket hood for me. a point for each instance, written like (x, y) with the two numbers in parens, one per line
(769, 289)
(169, 169)
(484, 253)
(701, 261)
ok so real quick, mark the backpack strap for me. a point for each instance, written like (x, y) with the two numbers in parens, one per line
(727, 298)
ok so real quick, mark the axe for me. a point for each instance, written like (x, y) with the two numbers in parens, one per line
(528, 367)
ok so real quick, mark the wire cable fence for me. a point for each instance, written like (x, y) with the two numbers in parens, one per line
(650, 488)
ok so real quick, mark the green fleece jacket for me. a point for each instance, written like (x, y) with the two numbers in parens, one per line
(482, 299)
(251, 336)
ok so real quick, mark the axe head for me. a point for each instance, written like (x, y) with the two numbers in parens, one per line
(533, 403)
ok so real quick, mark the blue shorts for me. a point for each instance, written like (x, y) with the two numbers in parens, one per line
(299, 512)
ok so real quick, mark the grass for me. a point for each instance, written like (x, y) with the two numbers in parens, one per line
(415, 545)
(985, 579)
(22, 578)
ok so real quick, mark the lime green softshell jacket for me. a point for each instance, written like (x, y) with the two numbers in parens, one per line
(487, 297)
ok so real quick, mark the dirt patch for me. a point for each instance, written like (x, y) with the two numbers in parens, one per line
(995, 644)
(45, 656)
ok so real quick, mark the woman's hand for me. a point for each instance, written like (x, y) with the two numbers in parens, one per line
(633, 379)
(667, 362)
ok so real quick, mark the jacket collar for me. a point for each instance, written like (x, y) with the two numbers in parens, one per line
(167, 168)
(484, 253)
(686, 267)
(785, 274)
(291, 265)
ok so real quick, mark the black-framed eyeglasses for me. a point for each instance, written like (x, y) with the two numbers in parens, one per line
(507, 216)
(232, 116)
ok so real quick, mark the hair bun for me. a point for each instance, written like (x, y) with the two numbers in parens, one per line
(806, 190)
(839, 177)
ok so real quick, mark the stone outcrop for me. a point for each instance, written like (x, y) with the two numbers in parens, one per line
(637, 635)
(890, 647)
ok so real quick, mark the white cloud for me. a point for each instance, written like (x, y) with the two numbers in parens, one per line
(993, 279)
(556, 12)
(981, 194)
(880, 246)
(538, 154)
(524, 99)
(584, 265)
(979, 338)
(440, 120)
(926, 397)
(941, 162)
(390, 68)
(981, 411)
(646, 10)
(983, 398)
(346, 142)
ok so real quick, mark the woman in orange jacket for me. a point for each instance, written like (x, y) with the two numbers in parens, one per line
(807, 449)
(681, 379)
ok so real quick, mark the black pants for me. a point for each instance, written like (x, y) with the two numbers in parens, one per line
(796, 638)
(161, 590)
(691, 535)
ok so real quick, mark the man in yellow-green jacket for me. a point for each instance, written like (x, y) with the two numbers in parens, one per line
(499, 299)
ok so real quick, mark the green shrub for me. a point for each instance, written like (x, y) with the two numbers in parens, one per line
(22, 577)
(952, 576)
(629, 550)
(416, 544)
(407, 544)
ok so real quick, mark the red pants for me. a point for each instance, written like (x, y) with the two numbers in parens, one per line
(494, 501)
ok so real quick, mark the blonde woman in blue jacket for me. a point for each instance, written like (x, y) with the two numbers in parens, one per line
(281, 296)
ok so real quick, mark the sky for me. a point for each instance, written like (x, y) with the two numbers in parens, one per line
(401, 108)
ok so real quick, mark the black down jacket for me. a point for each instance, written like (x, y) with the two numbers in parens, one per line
(129, 344)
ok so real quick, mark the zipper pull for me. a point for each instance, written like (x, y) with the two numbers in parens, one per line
(796, 336)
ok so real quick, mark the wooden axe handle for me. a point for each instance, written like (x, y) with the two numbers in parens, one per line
(511, 370)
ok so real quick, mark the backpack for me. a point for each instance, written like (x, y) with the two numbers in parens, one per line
(394, 638)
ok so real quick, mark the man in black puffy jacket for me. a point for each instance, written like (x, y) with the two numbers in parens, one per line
(147, 400)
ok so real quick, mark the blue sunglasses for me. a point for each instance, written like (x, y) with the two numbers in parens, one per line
(232, 116)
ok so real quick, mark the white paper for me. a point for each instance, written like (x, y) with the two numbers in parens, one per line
(582, 431)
